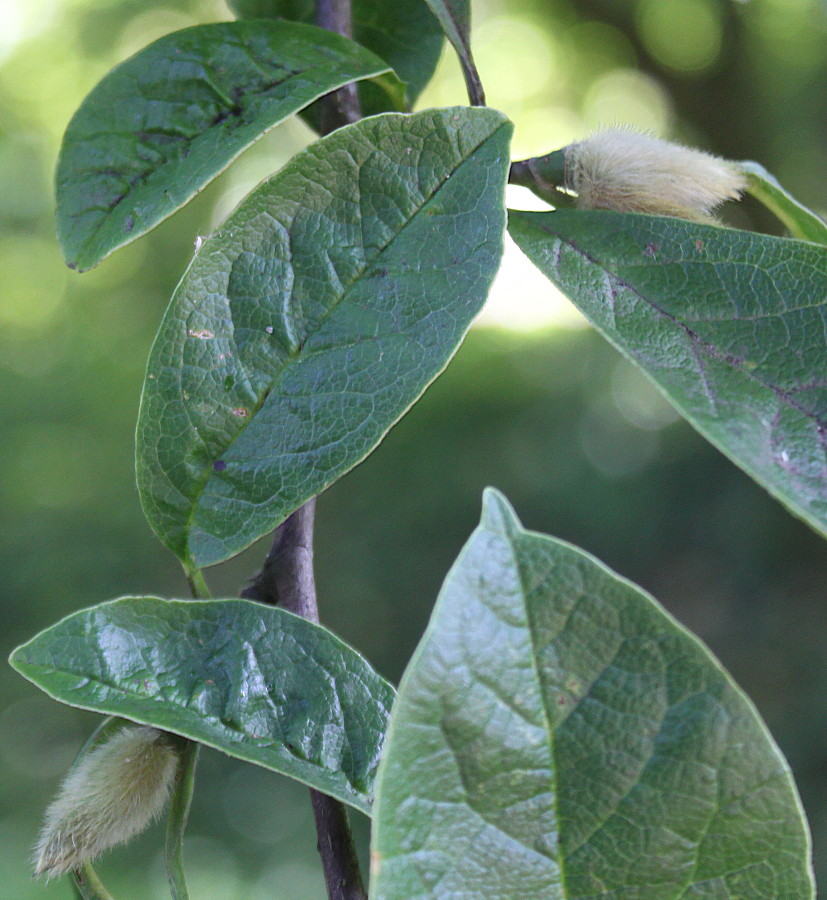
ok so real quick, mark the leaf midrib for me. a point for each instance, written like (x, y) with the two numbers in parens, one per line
(205, 477)
(511, 541)
(696, 339)
(561, 856)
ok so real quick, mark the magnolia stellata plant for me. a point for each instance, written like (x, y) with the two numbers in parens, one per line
(557, 733)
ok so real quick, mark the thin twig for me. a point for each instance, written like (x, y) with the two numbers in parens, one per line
(473, 84)
(336, 847)
(88, 885)
(287, 580)
(179, 810)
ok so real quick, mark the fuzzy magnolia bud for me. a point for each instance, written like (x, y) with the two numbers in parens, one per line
(630, 172)
(110, 795)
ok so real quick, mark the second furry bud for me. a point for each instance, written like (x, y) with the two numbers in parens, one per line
(111, 794)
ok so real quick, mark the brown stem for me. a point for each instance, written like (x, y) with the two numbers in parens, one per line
(335, 846)
(476, 93)
(342, 106)
(287, 580)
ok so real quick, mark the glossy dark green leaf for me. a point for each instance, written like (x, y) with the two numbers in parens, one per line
(317, 314)
(167, 121)
(455, 18)
(731, 325)
(558, 735)
(253, 681)
(405, 34)
(802, 222)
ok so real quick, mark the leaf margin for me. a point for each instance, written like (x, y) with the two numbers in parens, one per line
(185, 552)
(499, 517)
(527, 218)
(85, 254)
(116, 716)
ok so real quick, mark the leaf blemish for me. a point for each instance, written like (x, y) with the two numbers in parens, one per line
(241, 411)
(219, 465)
(203, 334)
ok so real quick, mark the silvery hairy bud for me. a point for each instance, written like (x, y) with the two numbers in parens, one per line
(111, 794)
(623, 170)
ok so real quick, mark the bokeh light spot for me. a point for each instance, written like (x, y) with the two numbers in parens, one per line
(628, 97)
(683, 35)
(33, 278)
(539, 68)
(597, 48)
(638, 400)
(522, 299)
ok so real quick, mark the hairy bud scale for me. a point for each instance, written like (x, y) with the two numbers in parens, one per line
(110, 795)
(626, 171)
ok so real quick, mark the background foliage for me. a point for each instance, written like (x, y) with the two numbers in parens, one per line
(551, 415)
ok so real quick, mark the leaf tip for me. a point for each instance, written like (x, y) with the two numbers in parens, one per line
(498, 514)
(15, 658)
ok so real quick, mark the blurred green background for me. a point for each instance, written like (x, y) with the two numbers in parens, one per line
(534, 403)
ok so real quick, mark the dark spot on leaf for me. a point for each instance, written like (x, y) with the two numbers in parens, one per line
(232, 112)
(229, 381)
(219, 465)
(651, 251)
(129, 224)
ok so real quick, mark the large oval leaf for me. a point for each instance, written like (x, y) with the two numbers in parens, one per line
(731, 325)
(557, 734)
(405, 34)
(310, 322)
(167, 121)
(253, 681)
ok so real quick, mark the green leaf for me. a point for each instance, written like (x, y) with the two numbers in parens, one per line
(253, 681)
(164, 123)
(557, 734)
(455, 18)
(802, 222)
(405, 34)
(311, 321)
(731, 325)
